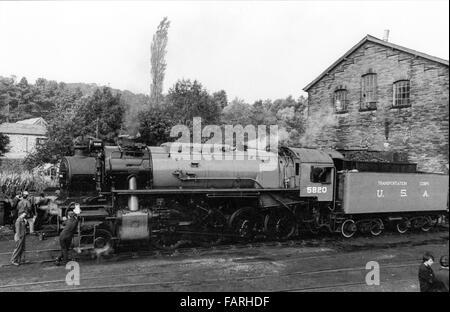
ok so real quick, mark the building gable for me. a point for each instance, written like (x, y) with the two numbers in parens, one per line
(339, 113)
(34, 121)
(356, 51)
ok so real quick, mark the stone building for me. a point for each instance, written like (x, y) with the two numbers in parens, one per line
(23, 135)
(383, 97)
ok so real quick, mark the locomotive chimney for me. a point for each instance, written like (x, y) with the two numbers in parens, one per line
(133, 203)
(386, 35)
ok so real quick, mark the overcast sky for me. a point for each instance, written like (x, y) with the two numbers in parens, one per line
(251, 49)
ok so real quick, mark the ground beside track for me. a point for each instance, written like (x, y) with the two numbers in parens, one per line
(326, 264)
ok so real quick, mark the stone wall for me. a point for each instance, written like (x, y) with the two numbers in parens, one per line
(420, 131)
(20, 145)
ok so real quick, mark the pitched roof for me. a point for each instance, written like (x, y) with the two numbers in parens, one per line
(18, 128)
(373, 39)
(34, 121)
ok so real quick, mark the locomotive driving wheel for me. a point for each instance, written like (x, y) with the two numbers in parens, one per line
(243, 223)
(348, 228)
(169, 239)
(279, 224)
(103, 244)
(212, 225)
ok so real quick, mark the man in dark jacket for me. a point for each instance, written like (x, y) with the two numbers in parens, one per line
(426, 275)
(65, 238)
(441, 276)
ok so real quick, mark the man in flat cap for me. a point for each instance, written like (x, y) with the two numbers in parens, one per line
(65, 238)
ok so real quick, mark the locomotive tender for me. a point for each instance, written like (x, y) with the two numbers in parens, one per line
(169, 197)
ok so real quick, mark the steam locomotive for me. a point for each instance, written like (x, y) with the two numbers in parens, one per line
(172, 195)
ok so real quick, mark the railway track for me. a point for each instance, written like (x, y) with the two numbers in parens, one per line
(333, 286)
(107, 282)
(160, 270)
(155, 279)
(337, 242)
(252, 260)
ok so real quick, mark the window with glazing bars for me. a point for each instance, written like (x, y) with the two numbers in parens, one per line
(340, 100)
(402, 93)
(369, 91)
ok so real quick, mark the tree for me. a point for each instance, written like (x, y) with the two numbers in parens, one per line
(26, 107)
(74, 116)
(7, 93)
(61, 131)
(237, 113)
(220, 97)
(101, 114)
(158, 62)
(188, 99)
(155, 125)
(290, 118)
(8, 98)
(47, 94)
(23, 100)
(262, 113)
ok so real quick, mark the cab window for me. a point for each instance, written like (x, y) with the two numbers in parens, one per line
(321, 174)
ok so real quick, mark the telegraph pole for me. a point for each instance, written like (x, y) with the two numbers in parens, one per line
(96, 129)
(7, 107)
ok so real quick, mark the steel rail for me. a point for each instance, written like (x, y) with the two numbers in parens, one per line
(215, 280)
(328, 286)
(125, 254)
(250, 260)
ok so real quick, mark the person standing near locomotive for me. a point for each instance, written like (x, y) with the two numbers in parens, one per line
(19, 238)
(426, 274)
(65, 238)
(24, 206)
(442, 276)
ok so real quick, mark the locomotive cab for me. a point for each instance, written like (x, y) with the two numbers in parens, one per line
(316, 174)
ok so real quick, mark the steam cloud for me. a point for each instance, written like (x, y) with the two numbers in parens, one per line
(316, 126)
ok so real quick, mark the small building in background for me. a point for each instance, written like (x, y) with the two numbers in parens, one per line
(383, 97)
(24, 136)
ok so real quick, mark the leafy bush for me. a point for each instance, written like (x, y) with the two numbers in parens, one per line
(12, 182)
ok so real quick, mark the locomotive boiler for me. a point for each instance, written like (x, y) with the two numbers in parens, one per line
(176, 194)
